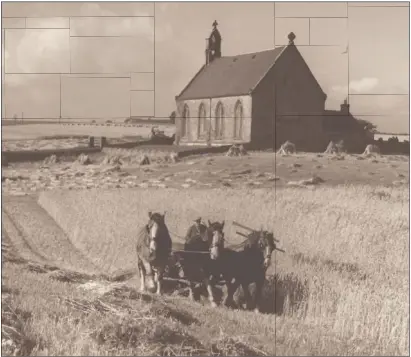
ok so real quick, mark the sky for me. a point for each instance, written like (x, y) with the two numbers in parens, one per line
(366, 54)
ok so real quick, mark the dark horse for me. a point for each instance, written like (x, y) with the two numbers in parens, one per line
(248, 266)
(153, 250)
(202, 250)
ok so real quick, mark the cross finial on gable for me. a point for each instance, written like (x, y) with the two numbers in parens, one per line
(215, 23)
(291, 38)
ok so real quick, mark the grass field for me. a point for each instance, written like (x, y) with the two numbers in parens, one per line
(341, 287)
(36, 131)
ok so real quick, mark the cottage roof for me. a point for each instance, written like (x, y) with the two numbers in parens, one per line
(230, 75)
(335, 120)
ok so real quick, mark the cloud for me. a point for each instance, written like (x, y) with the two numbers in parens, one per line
(37, 51)
(43, 50)
(110, 25)
(364, 85)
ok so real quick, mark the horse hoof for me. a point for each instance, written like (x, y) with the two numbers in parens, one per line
(228, 304)
(256, 310)
(213, 304)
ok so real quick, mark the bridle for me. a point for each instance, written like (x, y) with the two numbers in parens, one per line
(151, 239)
(267, 247)
(220, 241)
(216, 244)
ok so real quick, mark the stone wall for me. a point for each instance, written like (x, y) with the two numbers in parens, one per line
(210, 106)
(287, 105)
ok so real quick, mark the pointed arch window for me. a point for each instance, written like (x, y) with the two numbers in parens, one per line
(201, 129)
(185, 120)
(238, 120)
(219, 121)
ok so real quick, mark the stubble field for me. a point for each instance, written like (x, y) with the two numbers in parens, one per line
(341, 288)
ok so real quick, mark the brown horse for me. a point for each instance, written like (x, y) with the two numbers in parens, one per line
(153, 250)
(202, 250)
(248, 266)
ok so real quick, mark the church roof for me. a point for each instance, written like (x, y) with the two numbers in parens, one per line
(231, 75)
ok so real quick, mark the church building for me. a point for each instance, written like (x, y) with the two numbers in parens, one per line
(260, 99)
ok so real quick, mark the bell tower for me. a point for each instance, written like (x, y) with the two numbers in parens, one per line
(213, 44)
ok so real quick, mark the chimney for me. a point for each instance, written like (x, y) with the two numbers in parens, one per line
(345, 107)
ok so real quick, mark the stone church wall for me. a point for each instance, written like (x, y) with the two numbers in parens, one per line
(210, 106)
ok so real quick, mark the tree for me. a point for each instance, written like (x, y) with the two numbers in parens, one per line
(368, 126)
(173, 117)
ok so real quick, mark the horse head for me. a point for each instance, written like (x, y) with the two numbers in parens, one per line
(262, 242)
(216, 238)
(156, 228)
(267, 245)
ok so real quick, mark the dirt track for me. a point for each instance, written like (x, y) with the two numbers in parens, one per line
(37, 237)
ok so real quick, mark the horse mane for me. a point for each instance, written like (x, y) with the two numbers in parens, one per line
(216, 225)
(254, 237)
(197, 240)
(270, 238)
(143, 239)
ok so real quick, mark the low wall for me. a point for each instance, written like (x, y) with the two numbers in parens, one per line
(393, 148)
(181, 151)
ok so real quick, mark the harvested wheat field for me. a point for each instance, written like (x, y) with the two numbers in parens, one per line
(341, 288)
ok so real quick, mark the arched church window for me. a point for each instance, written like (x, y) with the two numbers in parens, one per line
(201, 121)
(238, 120)
(185, 121)
(219, 121)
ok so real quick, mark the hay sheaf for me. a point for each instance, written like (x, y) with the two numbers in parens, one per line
(137, 157)
(287, 148)
(234, 346)
(83, 159)
(236, 150)
(15, 339)
(372, 149)
(53, 159)
(113, 160)
(315, 180)
(335, 148)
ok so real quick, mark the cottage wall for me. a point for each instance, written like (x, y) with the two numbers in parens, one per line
(288, 105)
(210, 106)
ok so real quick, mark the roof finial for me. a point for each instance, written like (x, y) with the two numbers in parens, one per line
(215, 23)
(291, 38)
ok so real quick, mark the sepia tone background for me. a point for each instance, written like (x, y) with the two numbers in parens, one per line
(113, 60)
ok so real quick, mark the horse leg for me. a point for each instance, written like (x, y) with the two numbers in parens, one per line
(192, 295)
(258, 293)
(156, 281)
(247, 295)
(150, 275)
(158, 276)
(210, 291)
(191, 284)
(231, 289)
(142, 275)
